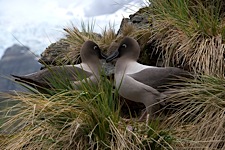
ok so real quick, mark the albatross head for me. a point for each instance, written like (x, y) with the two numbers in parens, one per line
(91, 51)
(128, 49)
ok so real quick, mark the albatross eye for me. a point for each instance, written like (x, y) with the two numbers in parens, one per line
(95, 47)
(124, 45)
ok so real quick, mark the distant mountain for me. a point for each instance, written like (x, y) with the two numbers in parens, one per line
(16, 60)
(37, 36)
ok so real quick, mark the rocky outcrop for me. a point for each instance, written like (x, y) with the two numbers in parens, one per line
(16, 60)
(138, 21)
(53, 54)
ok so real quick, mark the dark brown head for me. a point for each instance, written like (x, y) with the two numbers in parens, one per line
(128, 49)
(91, 51)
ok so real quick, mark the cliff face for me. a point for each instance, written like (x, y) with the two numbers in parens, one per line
(16, 60)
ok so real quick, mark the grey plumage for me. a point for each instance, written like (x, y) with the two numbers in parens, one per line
(137, 82)
(87, 70)
(158, 77)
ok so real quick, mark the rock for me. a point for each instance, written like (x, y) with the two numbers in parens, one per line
(108, 68)
(139, 20)
(54, 53)
(16, 60)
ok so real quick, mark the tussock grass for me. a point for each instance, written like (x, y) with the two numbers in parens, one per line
(88, 118)
(108, 36)
(199, 115)
(190, 33)
(67, 50)
(64, 120)
(75, 38)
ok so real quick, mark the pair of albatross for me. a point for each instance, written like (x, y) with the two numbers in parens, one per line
(134, 81)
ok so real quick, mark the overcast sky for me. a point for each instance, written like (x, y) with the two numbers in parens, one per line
(37, 23)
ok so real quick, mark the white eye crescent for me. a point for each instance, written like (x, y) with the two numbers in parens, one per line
(95, 47)
(124, 45)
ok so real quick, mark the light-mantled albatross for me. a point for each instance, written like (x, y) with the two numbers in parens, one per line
(138, 82)
(88, 70)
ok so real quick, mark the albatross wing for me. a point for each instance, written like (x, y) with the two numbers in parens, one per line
(61, 73)
(158, 76)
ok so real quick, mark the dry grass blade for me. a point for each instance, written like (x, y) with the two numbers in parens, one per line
(75, 38)
(190, 33)
(199, 116)
(88, 118)
(108, 36)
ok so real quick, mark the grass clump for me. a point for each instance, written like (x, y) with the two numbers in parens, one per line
(63, 120)
(88, 118)
(75, 38)
(198, 117)
(67, 50)
(190, 33)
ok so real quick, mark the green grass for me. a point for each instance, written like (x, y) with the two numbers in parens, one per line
(4, 105)
(190, 33)
(198, 115)
(88, 118)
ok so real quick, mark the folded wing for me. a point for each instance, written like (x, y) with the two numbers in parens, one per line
(62, 74)
(156, 77)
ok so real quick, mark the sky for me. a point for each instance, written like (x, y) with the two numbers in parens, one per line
(38, 23)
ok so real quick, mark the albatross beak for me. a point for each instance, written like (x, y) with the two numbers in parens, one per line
(103, 56)
(113, 56)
